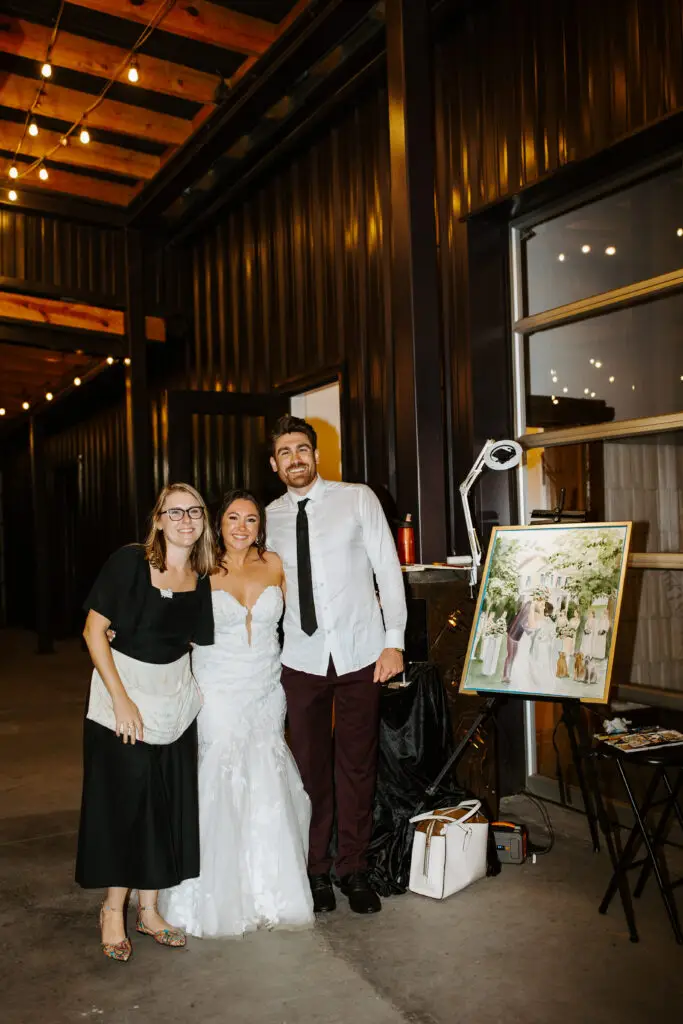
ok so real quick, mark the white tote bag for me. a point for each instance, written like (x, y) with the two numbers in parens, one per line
(449, 850)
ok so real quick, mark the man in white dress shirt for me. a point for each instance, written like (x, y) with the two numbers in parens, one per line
(335, 542)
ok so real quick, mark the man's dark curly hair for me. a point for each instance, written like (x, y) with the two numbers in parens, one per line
(289, 424)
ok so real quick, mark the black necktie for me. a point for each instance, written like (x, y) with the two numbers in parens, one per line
(309, 623)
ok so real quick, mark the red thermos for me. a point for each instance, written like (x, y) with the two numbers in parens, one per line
(406, 541)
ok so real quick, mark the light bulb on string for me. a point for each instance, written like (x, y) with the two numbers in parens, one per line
(49, 396)
(46, 70)
(2, 412)
(110, 360)
(12, 196)
(126, 361)
(84, 135)
(14, 171)
(133, 71)
(33, 129)
(25, 406)
(43, 174)
(77, 381)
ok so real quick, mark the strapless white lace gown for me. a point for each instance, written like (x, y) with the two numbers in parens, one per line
(254, 814)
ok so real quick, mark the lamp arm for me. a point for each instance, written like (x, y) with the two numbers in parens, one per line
(465, 488)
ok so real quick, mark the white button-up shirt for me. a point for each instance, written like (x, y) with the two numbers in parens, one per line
(350, 540)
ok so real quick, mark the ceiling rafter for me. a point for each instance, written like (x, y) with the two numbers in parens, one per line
(64, 104)
(199, 20)
(77, 53)
(96, 156)
(81, 185)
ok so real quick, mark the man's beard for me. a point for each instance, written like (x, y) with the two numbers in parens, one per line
(301, 479)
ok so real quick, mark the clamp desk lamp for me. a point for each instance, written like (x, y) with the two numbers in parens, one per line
(496, 455)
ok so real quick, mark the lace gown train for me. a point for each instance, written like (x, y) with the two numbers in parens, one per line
(254, 814)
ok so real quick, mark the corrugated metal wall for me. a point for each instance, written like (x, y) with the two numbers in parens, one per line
(531, 86)
(87, 489)
(295, 280)
(57, 253)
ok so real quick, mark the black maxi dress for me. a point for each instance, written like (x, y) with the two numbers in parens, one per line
(139, 825)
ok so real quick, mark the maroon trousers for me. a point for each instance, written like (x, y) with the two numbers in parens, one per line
(353, 776)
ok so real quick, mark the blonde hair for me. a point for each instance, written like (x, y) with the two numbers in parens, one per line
(203, 553)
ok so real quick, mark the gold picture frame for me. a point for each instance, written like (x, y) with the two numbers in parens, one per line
(548, 611)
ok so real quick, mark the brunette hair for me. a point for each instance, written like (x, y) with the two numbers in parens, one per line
(289, 424)
(203, 553)
(239, 494)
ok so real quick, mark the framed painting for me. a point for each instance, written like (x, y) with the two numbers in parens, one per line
(548, 611)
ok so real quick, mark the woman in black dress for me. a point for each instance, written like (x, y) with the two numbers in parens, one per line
(139, 825)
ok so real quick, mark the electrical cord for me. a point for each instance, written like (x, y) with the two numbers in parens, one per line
(164, 8)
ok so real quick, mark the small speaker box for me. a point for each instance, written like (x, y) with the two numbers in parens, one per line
(511, 842)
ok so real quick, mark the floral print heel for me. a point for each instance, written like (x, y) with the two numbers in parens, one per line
(121, 951)
(173, 937)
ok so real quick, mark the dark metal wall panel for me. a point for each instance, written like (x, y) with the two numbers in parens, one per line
(88, 511)
(531, 86)
(75, 258)
(294, 281)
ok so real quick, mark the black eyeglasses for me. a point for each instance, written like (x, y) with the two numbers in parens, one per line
(176, 515)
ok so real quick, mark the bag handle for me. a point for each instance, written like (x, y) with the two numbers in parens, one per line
(473, 805)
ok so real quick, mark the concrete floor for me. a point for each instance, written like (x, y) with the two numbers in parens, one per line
(526, 946)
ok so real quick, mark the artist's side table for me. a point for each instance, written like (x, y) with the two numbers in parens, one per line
(663, 793)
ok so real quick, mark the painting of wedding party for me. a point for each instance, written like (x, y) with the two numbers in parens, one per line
(548, 611)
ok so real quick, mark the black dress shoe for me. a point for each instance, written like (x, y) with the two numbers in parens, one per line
(362, 899)
(323, 894)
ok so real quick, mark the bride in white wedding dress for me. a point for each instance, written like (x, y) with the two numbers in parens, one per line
(253, 811)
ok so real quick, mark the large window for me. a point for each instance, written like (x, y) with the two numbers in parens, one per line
(633, 235)
(598, 335)
(599, 309)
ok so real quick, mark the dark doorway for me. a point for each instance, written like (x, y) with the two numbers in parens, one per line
(219, 440)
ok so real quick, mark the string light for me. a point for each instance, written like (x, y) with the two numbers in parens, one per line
(598, 364)
(565, 390)
(2, 412)
(77, 381)
(127, 361)
(610, 250)
(25, 406)
(13, 172)
(611, 380)
(585, 249)
(12, 196)
(110, 360)
(561, 257)
(128, 64)
(680, 232)
(42, 174)
(49, 396)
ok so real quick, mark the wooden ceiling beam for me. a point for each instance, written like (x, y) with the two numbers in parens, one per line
(24, 39)
(18, 93)
(59, 339)
(76, 315)
(72, 184)
(204, 22)
(96, 155)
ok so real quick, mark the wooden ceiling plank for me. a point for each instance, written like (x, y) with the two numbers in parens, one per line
(77, 315)
(96, 155)
(77, 185)
(24, 39)
(18, 93)
(204, 22)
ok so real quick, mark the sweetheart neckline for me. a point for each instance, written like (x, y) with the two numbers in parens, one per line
(249, 608)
